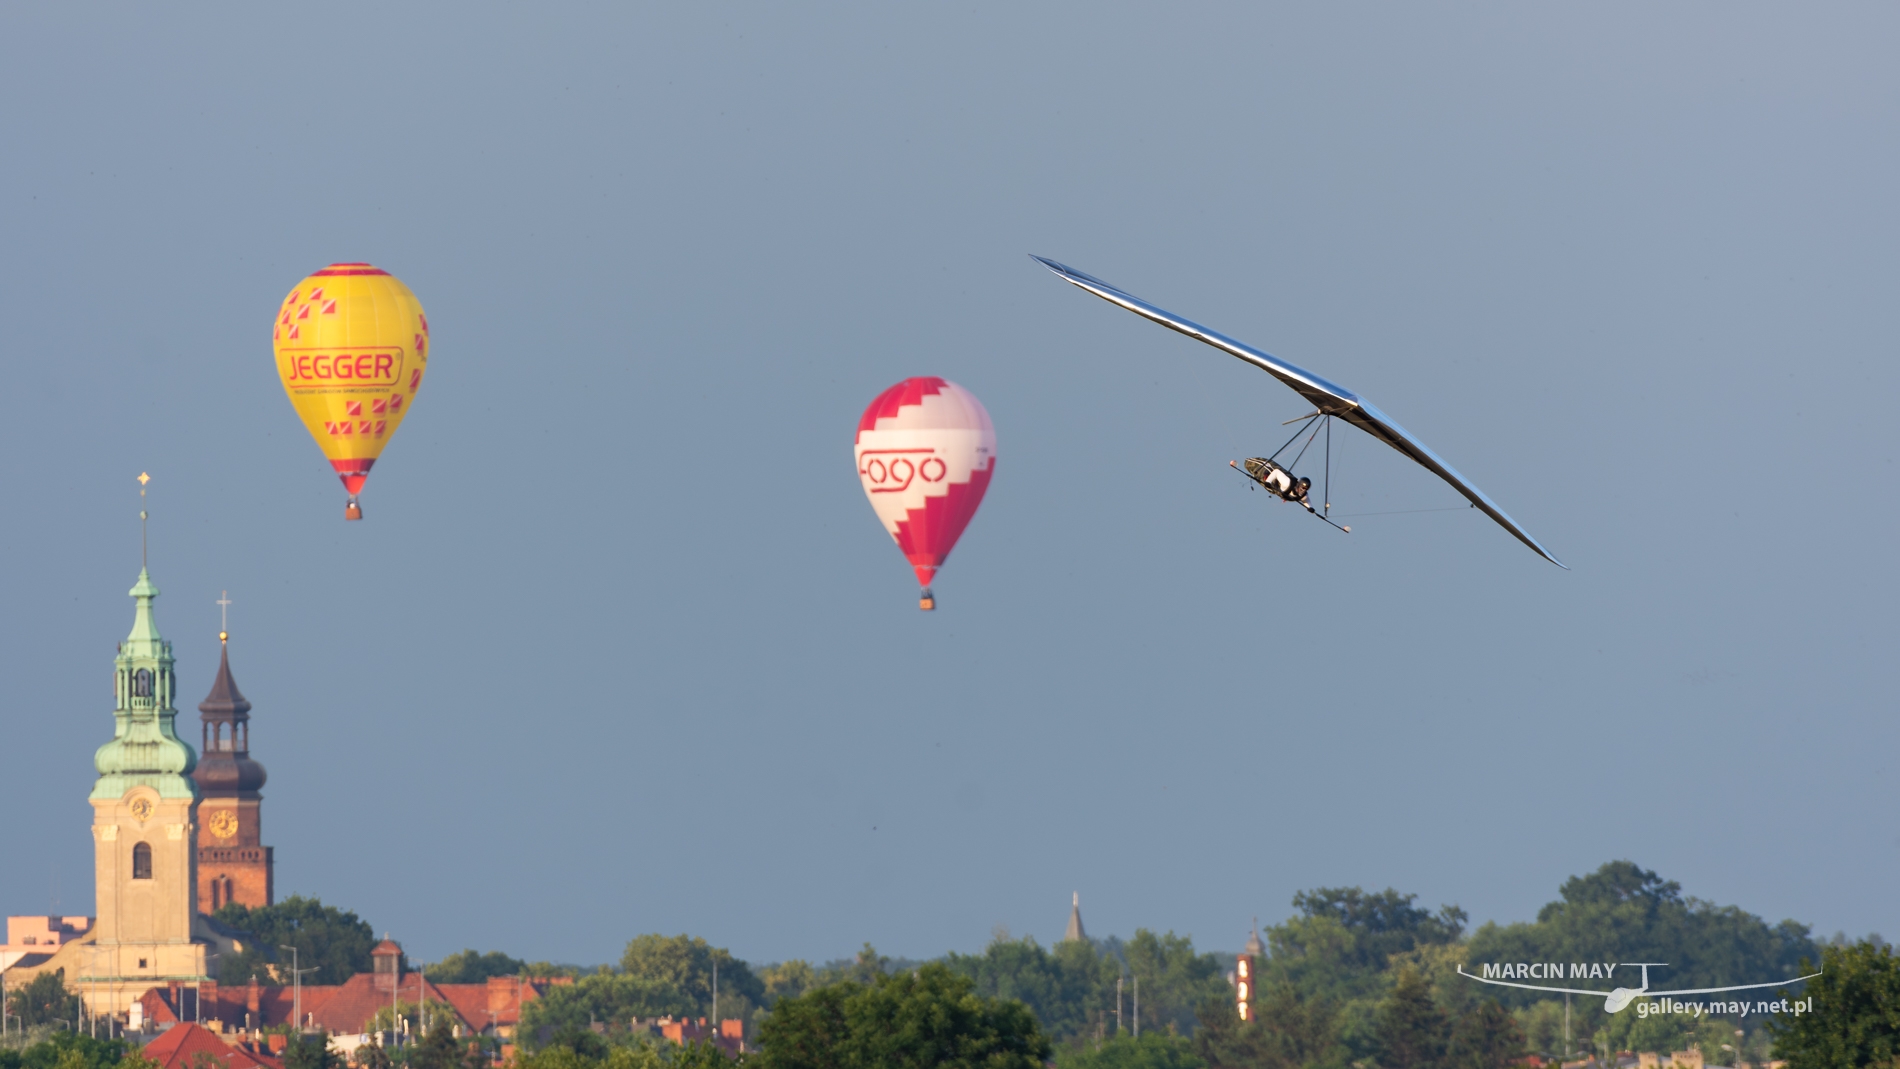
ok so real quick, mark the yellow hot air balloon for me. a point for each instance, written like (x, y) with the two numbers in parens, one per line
(352, 344)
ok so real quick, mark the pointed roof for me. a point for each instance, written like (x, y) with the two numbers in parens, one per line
(185, 1045)
(1255, 948)
(225, 698)
(226, 769)
(144, 625)
(1075, 934)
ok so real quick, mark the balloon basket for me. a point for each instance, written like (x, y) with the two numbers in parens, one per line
(352, 511)
(928, 601)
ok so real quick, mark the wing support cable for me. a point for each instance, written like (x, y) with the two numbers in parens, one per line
(1296, 435)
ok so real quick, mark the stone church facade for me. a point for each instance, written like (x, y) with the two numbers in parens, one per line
(155, 870)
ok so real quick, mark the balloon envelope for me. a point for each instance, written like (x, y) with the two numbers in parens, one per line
(925, 453)
(352, 344)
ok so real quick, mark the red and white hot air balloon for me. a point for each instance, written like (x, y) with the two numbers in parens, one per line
(925, 453)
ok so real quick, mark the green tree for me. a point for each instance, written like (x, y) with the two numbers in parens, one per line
(1543, 1024)
(1382, 924)
(867, 968)
(43, 1000)
(613, 999)
(1413, 1032)
(931, 1017)
(335, 943)
(1156, 1050)
(1174, 979)
(701, 1055)
(311, 1050)
(1288, 1031)
(687, 964)
(1070, 988)
(1485, 1037)
(438, 1049)
(474, 967)
(1340, 945)
(641, 1053)
(70, 1050)
(372, 1056)
(1658, 1032)
(787, 979)
(1855, 1020)
(1623, 912)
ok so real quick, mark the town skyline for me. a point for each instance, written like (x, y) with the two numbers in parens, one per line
(619, 646)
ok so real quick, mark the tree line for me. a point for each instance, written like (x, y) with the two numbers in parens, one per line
(1354, 979)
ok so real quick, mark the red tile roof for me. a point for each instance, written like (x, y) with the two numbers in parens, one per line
(185, 1046)
(346, 1008)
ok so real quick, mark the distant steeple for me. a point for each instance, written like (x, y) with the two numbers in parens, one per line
(1255, 949)
(1075, 934)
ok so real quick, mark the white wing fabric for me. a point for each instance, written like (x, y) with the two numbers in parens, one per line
(1325, 397)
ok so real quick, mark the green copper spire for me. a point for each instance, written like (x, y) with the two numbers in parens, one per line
(145, 747)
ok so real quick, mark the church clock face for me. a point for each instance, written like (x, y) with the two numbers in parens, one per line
(223, 823)
(141, 809)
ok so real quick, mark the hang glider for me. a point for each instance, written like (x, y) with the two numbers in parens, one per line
(1326, 398)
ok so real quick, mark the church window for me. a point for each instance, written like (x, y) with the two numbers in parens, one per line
(142, 683)
(142, 862)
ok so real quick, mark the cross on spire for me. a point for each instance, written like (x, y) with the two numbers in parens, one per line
(224, 617)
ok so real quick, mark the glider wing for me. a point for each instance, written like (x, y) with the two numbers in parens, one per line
(1325, 397)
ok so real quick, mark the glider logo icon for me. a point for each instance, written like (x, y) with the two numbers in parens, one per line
(1504, 974)
(890, 471)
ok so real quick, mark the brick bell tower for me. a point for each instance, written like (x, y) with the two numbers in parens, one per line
(233, 865)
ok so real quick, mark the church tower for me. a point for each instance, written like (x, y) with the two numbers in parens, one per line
(143, 829)
(233, 864)
(1074, 933)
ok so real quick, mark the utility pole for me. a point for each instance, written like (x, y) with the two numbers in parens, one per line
(1118, 1005)
(1137, 1005)
(715, 1020)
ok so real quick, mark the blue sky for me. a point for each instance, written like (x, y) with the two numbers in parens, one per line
(621, 648)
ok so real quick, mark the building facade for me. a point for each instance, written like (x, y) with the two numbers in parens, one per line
(147, 930)
(39, 937)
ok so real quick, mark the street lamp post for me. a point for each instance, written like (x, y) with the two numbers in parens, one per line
(296, 987)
